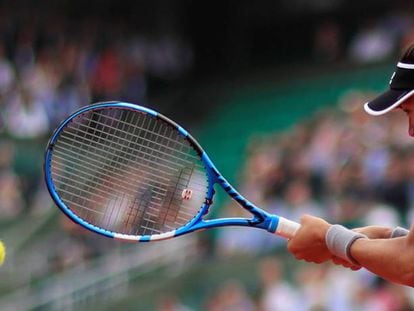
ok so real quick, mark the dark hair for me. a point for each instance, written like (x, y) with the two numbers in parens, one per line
(408, 56)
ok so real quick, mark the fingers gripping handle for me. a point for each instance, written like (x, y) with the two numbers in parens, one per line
(286, 228)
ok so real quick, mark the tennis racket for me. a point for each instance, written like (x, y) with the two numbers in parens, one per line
(130, 173)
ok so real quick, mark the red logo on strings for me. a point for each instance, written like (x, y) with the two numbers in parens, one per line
(187, 194)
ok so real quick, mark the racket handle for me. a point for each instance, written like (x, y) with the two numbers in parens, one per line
(286, 228)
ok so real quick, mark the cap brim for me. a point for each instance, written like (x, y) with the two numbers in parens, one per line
(387, 101)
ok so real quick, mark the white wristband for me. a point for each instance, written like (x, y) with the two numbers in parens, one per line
(399, 231)
(339, 241)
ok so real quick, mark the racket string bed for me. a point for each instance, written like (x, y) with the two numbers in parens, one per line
(104, 164)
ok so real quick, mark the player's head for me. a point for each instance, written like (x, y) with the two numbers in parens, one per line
(401, 87)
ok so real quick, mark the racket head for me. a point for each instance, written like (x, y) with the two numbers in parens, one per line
(128, 172)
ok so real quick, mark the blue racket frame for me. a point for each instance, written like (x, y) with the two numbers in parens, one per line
(261, 219)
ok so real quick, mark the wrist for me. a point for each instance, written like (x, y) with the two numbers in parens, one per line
(339, 240)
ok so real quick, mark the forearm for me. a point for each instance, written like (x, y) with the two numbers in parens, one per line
(391, 259)
(375, 232)
(378, 232)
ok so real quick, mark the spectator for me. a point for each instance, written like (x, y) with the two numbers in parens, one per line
(276, 292)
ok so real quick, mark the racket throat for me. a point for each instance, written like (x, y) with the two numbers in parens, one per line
(267, 222)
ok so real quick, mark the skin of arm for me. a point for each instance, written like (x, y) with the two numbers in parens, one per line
(391, 259)
(375, 232)
(376, 254)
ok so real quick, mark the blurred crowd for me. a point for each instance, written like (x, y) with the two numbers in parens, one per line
(318, 288)
(50, 66)
(309, 288)
(376, 39)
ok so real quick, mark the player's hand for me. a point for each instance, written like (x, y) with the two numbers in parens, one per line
(375, 232)
(342, 262)
(309, 241)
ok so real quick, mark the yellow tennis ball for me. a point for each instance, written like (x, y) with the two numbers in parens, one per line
(2, 253)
